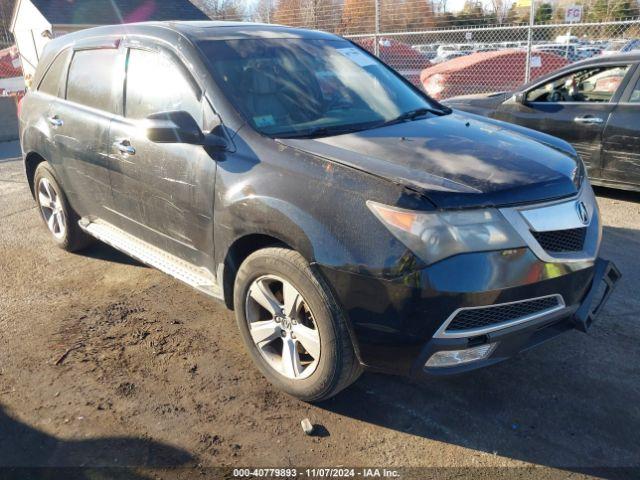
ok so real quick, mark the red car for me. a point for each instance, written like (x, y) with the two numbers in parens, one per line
(399, 56)
(486, 72)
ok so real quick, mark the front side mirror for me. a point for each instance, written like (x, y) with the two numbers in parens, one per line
(520, 97)
(173, 127)
(215, 142)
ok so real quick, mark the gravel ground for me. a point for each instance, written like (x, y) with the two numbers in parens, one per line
(104, 362)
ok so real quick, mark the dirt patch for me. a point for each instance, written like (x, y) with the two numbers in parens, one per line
(159, 373)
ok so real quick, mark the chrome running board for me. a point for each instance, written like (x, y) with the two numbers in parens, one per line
(199, 278)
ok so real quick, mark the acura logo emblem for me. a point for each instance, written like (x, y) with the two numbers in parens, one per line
(583, 214)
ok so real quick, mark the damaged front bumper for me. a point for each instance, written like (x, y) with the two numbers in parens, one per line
(446, 356)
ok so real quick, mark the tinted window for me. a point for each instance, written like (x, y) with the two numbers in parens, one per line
(94, 76)
(155, 83)
(52, 79)
(588, 85)
(299, 87)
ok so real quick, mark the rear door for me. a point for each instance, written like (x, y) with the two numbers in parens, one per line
(574, 106)
(621, 138)
(163, 193)
(45, 98)
(82, 132)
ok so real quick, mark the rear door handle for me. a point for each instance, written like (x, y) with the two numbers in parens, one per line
(125, 147)
(55, 121)
(589, 120)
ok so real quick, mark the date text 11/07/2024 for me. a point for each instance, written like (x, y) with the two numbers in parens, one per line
(315, 473)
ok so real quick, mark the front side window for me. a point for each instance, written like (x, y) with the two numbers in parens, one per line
(95, 79)
(293, 87)
(54, 78)
(156, 84)
(589, 85)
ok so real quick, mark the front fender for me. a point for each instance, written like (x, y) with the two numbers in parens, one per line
(291, 225)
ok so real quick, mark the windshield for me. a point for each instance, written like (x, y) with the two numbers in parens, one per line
(303, 87)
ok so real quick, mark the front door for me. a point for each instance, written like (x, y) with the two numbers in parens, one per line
(621, 138)
(574, 106)
(163, 193)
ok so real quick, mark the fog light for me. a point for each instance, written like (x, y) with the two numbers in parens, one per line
(448, 358)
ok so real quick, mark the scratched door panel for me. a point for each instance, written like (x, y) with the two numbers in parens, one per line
(160, 192)
(621, 145)
(589, 151)
(559, 120)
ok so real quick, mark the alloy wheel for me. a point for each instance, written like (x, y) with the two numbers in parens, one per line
(282, 327)
(52, 208)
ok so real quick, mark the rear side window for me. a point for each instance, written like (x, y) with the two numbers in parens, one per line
(95, 79)
(155, 83)
(54, 78)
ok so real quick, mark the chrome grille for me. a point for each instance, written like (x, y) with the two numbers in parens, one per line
(558, 241)
(474, 318)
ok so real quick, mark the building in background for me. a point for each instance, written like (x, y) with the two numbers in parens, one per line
(11, 81)
(35, 22)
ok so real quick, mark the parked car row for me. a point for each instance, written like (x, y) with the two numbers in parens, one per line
(475, 72)
(622, 47)
(570, 47)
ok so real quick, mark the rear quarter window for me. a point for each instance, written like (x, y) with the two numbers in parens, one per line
(55, 76)
(95, 79)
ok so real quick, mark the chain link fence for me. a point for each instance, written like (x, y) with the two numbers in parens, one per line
(489, 46)
(449, 62)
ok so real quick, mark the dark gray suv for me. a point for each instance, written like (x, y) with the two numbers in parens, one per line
(347, 218)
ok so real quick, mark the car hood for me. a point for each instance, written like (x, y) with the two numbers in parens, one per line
(457, 160)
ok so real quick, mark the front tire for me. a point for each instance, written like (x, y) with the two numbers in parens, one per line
(293, 328)
(59, 217)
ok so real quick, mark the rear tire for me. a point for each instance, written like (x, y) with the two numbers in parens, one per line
(316, 332)
(58, 216)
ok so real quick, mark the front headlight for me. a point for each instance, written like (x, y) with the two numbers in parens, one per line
(433, 236)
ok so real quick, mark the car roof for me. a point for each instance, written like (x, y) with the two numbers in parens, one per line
(196, 31)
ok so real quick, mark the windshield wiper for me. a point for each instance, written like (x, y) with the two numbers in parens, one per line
(317, 132)
(328, 131)
(411, 115)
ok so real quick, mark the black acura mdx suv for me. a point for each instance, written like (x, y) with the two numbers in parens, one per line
(349, 220)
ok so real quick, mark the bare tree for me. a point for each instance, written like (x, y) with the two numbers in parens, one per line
(499, 9)
(222, 9)
(263, 11)
(289, 12)
(358, 16)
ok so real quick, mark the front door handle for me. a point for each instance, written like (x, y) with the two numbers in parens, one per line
(589, 120)
(55, 121)
(125, 147)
